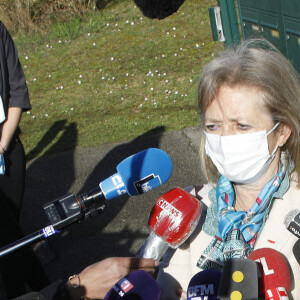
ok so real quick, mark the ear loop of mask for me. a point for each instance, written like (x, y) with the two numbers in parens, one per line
(276, 147)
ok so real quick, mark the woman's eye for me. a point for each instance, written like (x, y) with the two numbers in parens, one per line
(211, 127)
(244, 126)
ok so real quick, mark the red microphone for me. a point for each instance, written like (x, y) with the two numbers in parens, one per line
(173, 218)
(274, 278)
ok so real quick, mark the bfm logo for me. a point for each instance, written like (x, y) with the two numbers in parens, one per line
(200, 292)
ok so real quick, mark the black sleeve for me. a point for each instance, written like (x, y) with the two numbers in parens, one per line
(14, 83)
(55, 291)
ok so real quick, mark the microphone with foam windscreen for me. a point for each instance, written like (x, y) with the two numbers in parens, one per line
(292, 222)
(138, 285)
(158, 9)
(204, 285)
(238, 280)
(296, 251)
(137, 174)
(274, 275)
(173, 218)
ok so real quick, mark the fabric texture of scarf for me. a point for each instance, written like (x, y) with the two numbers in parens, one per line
(237, 230)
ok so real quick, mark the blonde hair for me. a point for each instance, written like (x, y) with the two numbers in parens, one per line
(255, 63)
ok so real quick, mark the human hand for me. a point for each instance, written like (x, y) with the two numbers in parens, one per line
(97, 279)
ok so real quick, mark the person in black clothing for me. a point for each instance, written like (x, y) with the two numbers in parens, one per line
(17, 270)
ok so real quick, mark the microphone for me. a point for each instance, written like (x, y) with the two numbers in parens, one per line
(238, 280)
(292, 222)
(274, 276)
(137, 174)
(138, 285)
(173, 218)
(204, 285)
(296, 251)
(158, 9)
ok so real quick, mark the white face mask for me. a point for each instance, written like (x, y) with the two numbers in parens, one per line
(241, 158)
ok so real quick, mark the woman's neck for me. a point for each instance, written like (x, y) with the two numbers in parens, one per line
(246, 194)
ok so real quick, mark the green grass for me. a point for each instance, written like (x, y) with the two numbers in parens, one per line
(113, 77)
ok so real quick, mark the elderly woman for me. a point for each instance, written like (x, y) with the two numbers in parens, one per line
(249, 101)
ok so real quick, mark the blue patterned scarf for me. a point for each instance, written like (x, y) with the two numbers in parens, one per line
(237, 230)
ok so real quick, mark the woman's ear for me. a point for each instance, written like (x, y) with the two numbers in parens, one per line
(283, 134)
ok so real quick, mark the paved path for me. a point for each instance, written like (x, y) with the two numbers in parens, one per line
(122, 228)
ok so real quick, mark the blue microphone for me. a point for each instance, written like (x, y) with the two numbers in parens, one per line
(204, 285)
(138, 285)
(138, 173)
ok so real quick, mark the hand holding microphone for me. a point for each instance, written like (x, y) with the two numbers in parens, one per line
(173, 218)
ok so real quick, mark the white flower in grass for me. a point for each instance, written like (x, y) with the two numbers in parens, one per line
(146, 99)
(34, 79)
(72, 108)
(174, 28)
(111, 58)
(102, 77)
(175, 54)
(33, 117)
(28, 112)
(61, 87)
(79, 81)
(176, 93)
(127, 22)
(80, 76)
(110, 92)
(141, 105)
(122, 98)
(163, 55)
(166, 80)
(197, 46)
(191, 80)
(26, 57)
(168, 33)
(165, 74)
(152, 89)
(132, 23)
(59, 42)
(94, 44)
(46, 115)
(49, 75)
(126, 74)
(174, 35)
(107, 24)
(88, 34)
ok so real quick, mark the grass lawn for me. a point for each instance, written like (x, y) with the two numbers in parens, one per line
(114, 76)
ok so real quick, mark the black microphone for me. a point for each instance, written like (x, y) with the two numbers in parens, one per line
(158, 9)
(239, 280)
(296, 251)
(292, 222)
